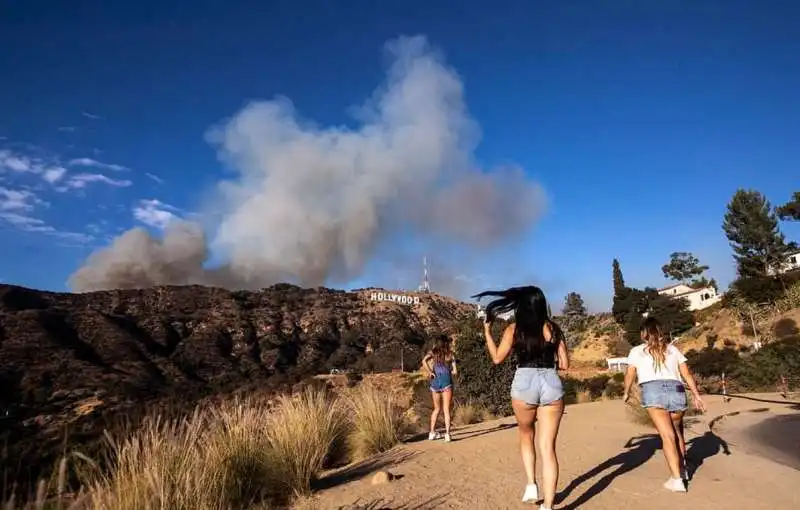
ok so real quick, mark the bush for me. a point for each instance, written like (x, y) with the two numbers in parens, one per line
(710, 362)
(229, 456)
(375, 420)
(479, 380)
(468, 413)
(763, 370)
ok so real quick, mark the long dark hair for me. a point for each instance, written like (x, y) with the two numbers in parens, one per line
(531, 313)
(442, 351)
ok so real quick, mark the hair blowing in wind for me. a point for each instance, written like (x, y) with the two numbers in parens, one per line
(311, 204)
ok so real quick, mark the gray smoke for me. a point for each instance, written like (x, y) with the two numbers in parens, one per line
(311, 204)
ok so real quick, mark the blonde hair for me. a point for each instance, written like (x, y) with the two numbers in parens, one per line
(656, 341)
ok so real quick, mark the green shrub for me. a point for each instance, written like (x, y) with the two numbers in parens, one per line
(710, 362)
(479, 380)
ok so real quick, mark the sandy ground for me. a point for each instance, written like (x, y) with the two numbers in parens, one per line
(606, 462)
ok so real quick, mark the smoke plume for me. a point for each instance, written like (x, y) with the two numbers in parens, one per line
(311, 204)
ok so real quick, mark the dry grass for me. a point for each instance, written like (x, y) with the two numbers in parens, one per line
(583, 396)
(469, 412)
(236, 454)
(241, 453)
(375, 420)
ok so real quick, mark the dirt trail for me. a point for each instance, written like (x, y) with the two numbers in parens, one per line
(481, 468)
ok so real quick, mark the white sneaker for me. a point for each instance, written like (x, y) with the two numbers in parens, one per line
(531, 493)
(675, 485)
(433, 436)
(447, 438)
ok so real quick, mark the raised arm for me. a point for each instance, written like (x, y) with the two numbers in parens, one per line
(499, 354)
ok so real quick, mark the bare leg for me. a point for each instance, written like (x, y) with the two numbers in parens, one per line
(669, 444)
(526, 416)
(447, 398)
(549, 422)
(437, 405)
(677, 424)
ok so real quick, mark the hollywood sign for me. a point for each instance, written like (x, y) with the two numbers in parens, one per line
(396, 298)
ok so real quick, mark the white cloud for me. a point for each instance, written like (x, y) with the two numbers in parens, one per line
(20, 200)
(155, 213)
(15, 162)
(89, 162)
(155, 178)
(90, 115)
(31, 224)
(80, 181)
(54, 174)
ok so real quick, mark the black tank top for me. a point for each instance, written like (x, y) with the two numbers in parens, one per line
(544, 357)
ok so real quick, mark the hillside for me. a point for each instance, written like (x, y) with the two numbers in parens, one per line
(72, 362)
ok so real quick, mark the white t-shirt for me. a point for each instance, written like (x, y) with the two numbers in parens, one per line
(645, 366)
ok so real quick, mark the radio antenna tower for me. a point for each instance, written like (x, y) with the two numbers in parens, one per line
(425, 286)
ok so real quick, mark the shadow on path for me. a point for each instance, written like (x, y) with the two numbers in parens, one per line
(362, 469)
(477, 433)
(638, 450)
(702, 447)
(384, 504)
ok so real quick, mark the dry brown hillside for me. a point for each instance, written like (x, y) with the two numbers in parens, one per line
(71, 363)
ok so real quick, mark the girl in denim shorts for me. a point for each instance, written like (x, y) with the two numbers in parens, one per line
(440, 364)
(536, 392)
(661, 371)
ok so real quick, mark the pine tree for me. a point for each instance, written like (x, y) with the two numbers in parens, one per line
(619, 281)
(574, 306)
(752, 229)
(790, 211)
(683, 267)
(621, 305)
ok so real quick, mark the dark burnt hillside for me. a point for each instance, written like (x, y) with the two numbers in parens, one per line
(69, 363)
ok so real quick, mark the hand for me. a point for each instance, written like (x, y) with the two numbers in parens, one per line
(699, 404)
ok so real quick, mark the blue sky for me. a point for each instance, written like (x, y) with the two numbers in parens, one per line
(638, 119)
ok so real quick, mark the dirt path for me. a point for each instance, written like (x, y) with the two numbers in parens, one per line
(481, 468)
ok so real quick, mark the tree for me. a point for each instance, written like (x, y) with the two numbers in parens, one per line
(574, 306)
(790, 211)
(478, 379)
(672, 313)
(752, 229)
(619, 281)
(683, 267)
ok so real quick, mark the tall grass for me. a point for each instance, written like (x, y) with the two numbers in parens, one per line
(375, 420)
(235, 454)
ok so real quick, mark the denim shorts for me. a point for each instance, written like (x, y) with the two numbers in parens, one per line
(537, 386)
(664, 394)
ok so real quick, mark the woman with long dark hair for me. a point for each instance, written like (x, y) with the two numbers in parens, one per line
(659, 366)
(537, 395)
(440, 364)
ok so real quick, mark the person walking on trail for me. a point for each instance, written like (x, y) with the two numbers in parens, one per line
(440, 364)
(661, 370)
(537, 395)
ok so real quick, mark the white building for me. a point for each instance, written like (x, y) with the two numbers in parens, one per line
(617, 364)
(792, 263)
(698, 298)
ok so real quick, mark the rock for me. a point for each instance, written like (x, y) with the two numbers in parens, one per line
(382, 477)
